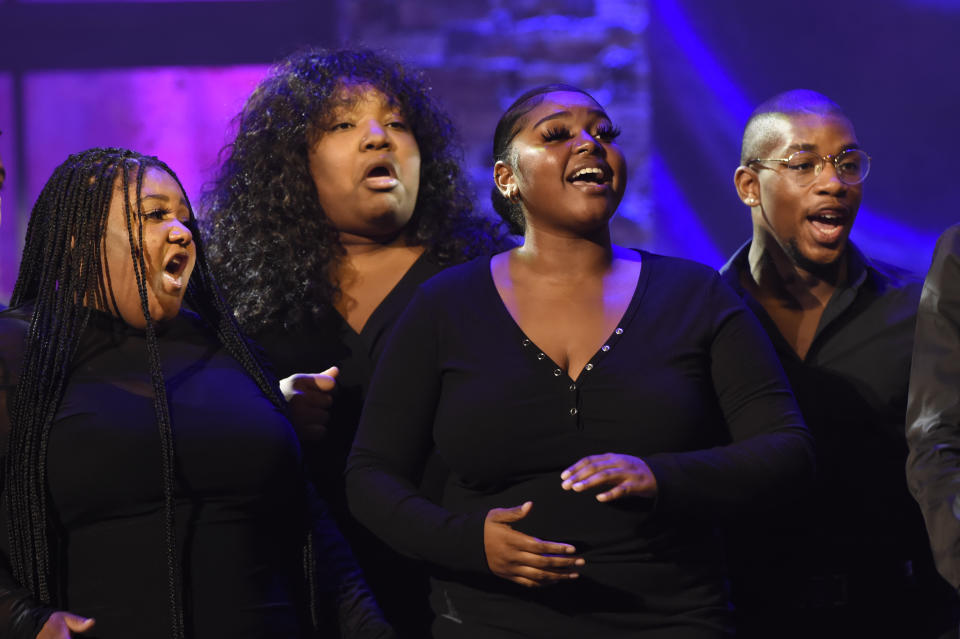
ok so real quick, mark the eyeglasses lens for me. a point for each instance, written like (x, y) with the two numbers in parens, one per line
(852, 166)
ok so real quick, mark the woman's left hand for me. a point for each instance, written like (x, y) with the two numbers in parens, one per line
(627, 474)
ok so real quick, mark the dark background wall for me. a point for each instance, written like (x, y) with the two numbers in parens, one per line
(679, 76)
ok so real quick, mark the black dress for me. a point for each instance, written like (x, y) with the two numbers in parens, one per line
(243, 507)
(687, 381)
(397, 583)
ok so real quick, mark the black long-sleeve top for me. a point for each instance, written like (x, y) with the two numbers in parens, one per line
(243, 507)
(933, 409)
(687, 381)
(852, 389)
(396, 582)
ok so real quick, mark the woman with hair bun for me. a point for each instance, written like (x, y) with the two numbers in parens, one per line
(599, 409)
(342, 193)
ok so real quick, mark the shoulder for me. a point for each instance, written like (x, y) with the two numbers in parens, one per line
(891, 281)
(14, 325)
(456, 281)
(949, 241)
(682, 275)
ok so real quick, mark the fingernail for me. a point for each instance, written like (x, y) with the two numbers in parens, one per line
(565, 485)
(579, 562)
(564, 474)
(571, 550)
(574, 575)
(578, 485)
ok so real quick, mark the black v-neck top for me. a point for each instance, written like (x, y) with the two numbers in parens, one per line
(333, 342)
(397, 583)
(672, 385)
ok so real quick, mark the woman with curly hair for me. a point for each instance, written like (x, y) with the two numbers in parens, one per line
(342, 192)
(131, 494)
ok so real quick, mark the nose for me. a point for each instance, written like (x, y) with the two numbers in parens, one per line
(375, 137)
(180, 234)
(828, 181)
(586, 143)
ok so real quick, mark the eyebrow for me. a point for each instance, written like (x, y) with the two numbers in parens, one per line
(161, 196)
(813, 147)
(560, 114)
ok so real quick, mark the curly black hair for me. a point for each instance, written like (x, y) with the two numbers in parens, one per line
(273, 247)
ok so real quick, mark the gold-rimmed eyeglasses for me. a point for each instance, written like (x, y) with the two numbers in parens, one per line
(852, 165)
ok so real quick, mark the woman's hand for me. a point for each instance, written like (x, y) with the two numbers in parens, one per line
(627, 474)
(521, 558)
(309, 398)
(61, 624)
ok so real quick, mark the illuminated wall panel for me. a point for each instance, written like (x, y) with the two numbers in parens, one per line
(181, 115)
(10, 227)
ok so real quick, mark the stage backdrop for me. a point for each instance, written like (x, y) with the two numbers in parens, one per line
(679, 76)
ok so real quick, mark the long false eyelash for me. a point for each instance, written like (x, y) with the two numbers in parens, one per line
(556, 133)
(157, 213)
(607, 131)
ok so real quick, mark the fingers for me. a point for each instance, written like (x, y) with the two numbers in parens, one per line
(327, 380)
(628, 475)
(550, 563)
(588, 467)
(507, 515)
(76, 623)
(317, 384)
(522, 558)
(536, 546)
(620, 490)
(595, 477)
(62, 625)
(534, 577)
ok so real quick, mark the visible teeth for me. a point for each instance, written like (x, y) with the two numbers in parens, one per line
(584, 172)
(173, 266)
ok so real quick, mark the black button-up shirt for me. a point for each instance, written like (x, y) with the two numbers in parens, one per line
(852, 390)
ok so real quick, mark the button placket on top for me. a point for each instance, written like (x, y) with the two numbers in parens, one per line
(573, 387)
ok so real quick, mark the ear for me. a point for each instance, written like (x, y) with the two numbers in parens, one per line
(505, 179)
(748, 187)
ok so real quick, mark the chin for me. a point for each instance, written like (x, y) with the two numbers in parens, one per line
(820, 260)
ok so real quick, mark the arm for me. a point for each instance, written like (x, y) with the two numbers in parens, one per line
(933, 407)
(770, 457)
(390, 450)
(392, 443)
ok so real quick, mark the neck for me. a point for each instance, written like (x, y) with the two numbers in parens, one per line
(359, 245)
(566, 256)
(774, 273)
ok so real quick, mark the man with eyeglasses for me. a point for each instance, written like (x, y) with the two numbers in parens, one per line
(850, 559)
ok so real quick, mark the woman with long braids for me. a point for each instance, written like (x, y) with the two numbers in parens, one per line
(135, 497)
(599, 409)
(342, 192)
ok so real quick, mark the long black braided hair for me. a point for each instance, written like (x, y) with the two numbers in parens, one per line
(62, 274)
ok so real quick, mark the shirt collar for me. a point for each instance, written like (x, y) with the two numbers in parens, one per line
(858, 266)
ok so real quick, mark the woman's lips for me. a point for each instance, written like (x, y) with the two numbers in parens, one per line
(381, 177)
(173, 273)
(592, 179)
